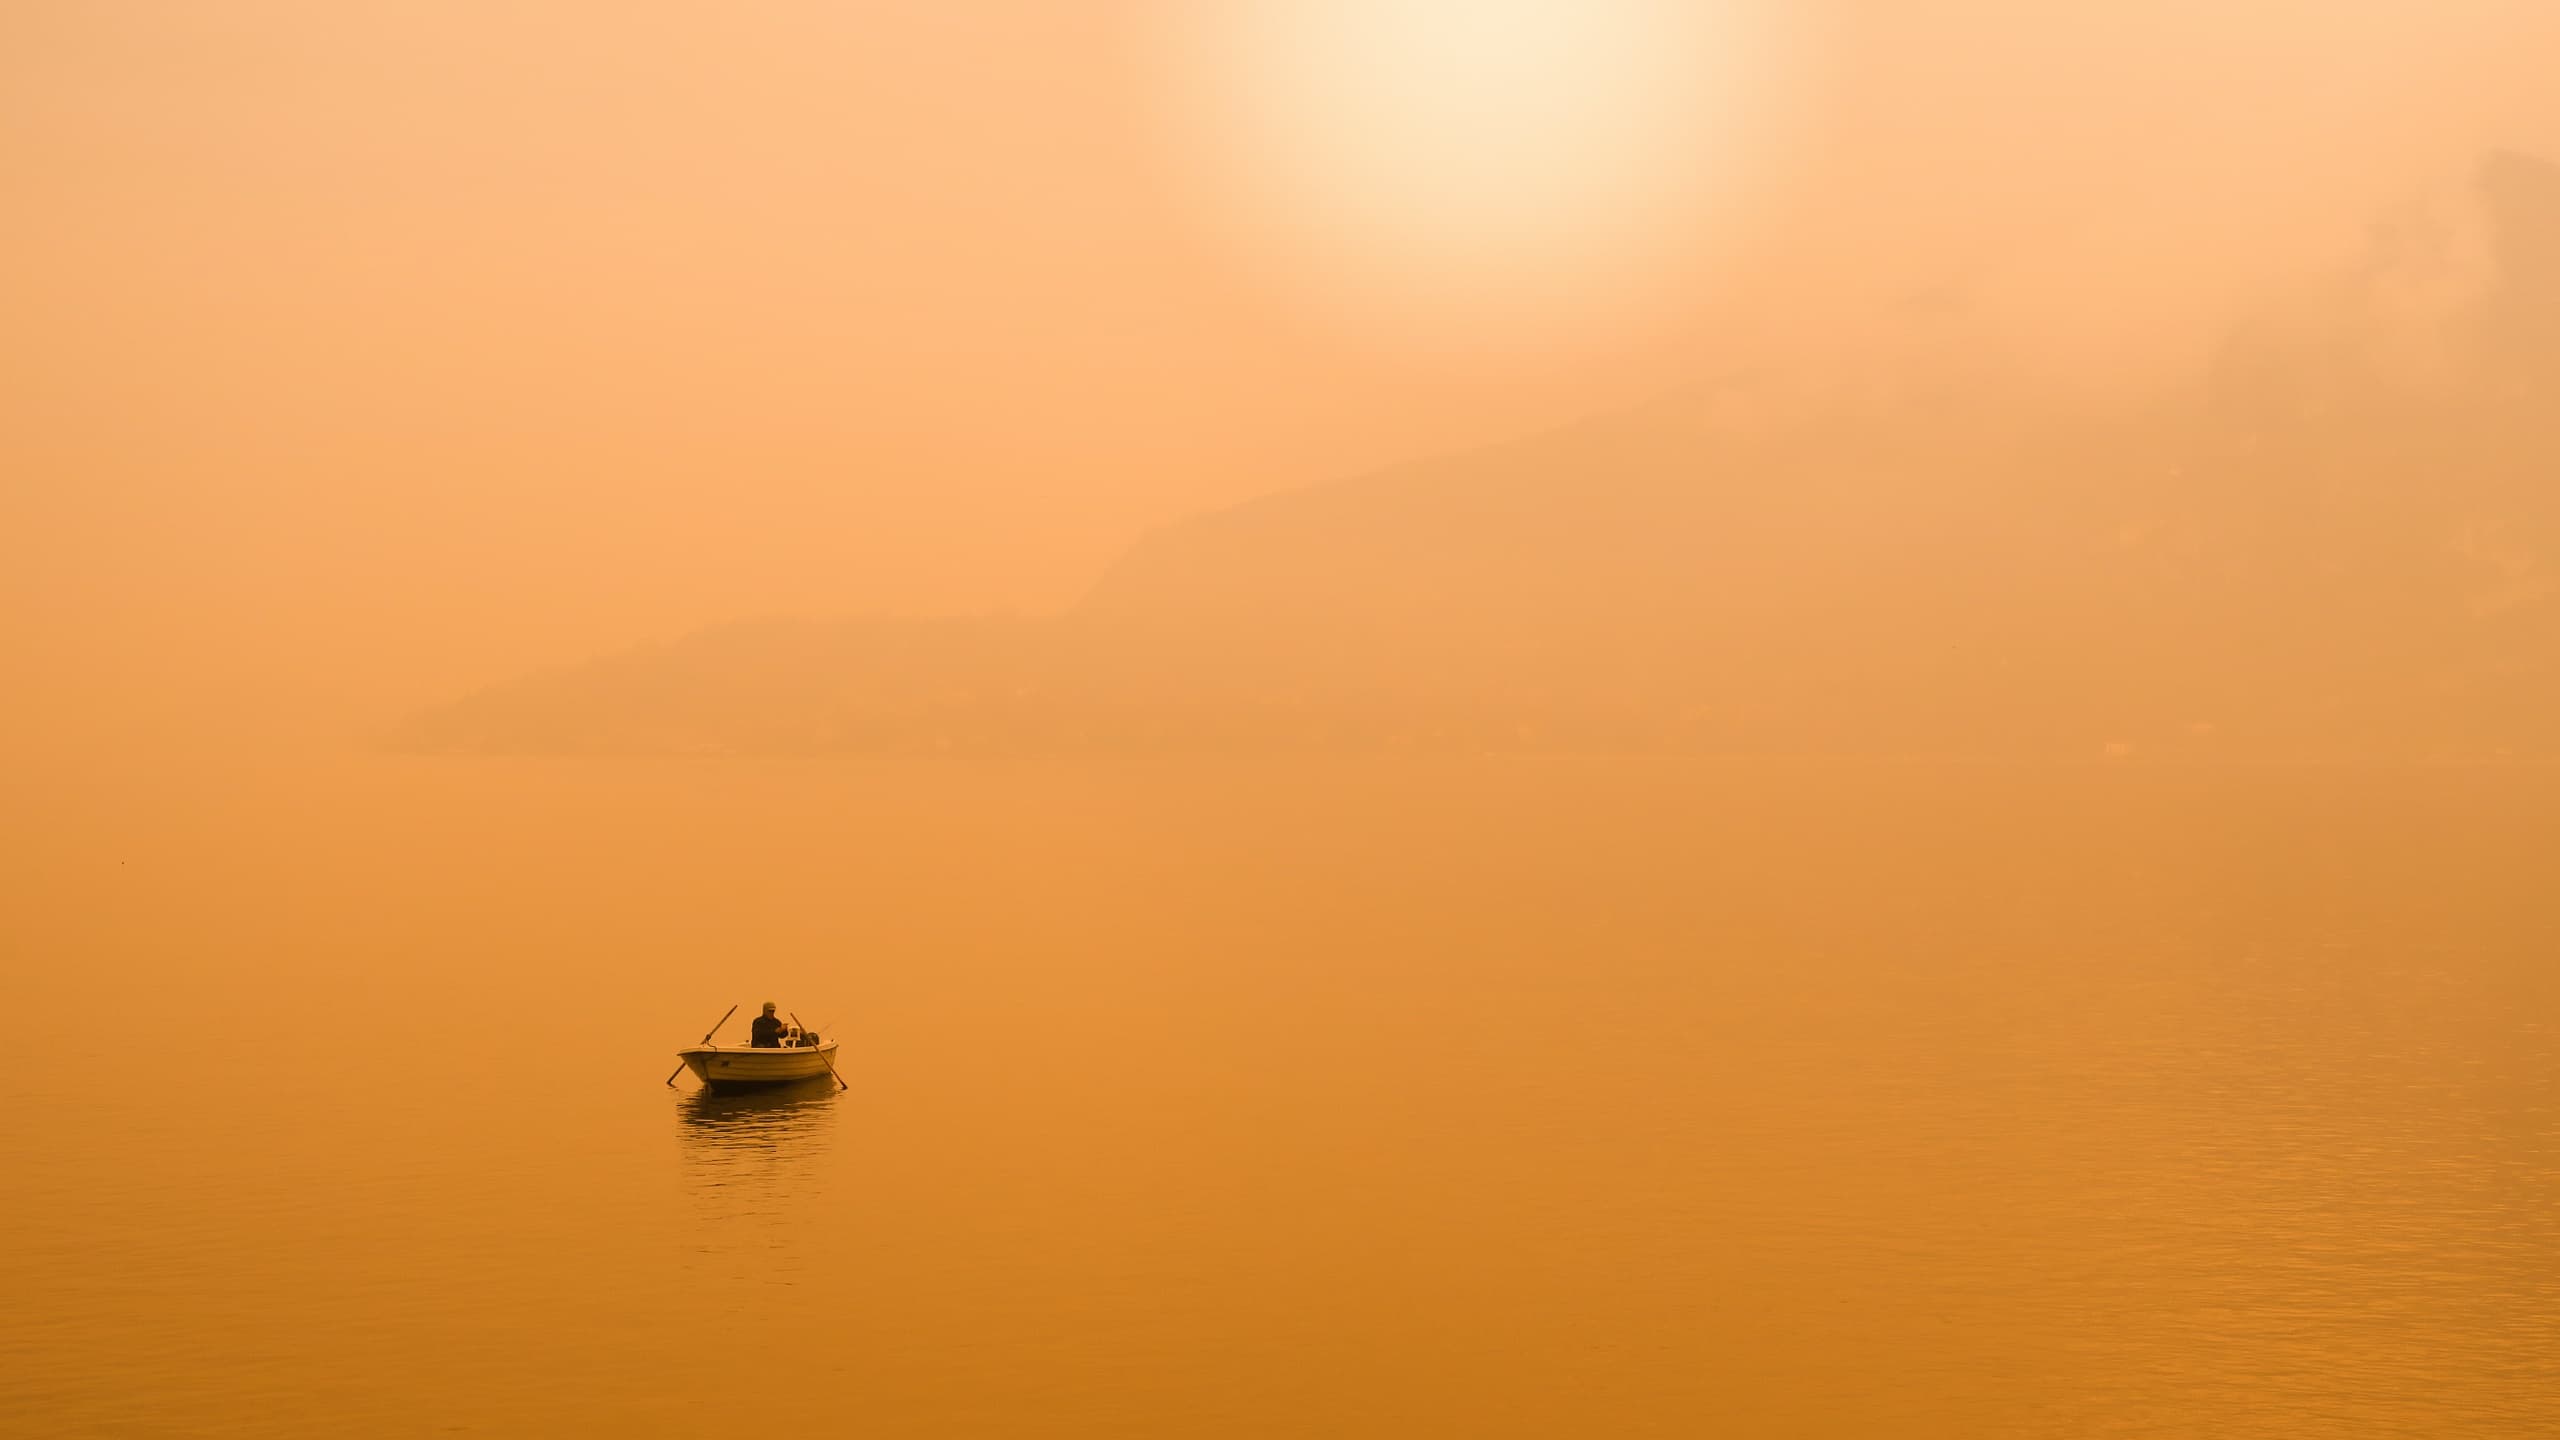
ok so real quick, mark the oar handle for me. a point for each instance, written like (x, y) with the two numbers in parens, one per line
(706, 1039)
(830, 1059)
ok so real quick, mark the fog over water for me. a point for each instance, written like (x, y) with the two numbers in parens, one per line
(1501, 1097)
(1479, 717)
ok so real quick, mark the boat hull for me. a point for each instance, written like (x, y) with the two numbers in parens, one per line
(739, 1067)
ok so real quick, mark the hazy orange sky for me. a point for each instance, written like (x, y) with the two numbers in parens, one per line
(358, 353)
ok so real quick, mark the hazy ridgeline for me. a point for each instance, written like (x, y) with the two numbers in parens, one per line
(1300, 623)
(2335, 543)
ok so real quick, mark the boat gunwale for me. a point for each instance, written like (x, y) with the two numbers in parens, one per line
(821, 1048)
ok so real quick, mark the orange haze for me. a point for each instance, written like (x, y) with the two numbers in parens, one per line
(1829, 718)
(360, 355)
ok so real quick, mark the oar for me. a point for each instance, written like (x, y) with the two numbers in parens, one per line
(706, 1039)
(823, 1055)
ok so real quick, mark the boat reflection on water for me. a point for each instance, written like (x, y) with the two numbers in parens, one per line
(757, 1151)
(767, 1112)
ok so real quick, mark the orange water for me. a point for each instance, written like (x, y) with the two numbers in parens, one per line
(1531, 1097)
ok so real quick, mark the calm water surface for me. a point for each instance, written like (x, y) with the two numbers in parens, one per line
(1497, 1097)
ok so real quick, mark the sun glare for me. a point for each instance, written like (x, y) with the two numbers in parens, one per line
(1494, 158)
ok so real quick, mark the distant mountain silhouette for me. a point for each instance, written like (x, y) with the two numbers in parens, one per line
(2344, 541)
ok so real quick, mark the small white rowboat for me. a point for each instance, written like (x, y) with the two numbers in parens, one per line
(724, 1067)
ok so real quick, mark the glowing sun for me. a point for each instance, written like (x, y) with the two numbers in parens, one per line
(1480, 155)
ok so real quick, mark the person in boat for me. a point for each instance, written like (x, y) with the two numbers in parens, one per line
(767, 1030)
